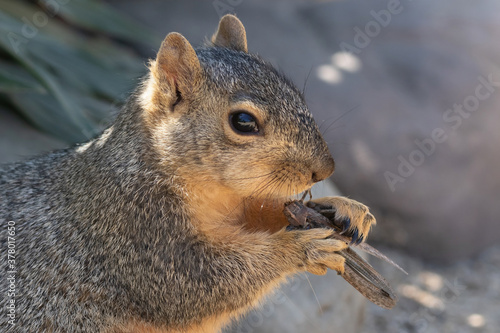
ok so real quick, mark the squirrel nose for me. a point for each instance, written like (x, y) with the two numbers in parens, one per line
(323, 170)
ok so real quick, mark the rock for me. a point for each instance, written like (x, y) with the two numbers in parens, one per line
(429, 170)
(324, 304)
(458, 297)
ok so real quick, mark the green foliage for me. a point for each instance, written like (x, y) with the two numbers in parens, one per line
(65, 65)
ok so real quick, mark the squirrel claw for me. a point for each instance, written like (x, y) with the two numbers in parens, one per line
(346, 223)
(355, 235)
(360, 240)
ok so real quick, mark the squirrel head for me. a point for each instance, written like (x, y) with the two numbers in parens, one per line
(223, 117)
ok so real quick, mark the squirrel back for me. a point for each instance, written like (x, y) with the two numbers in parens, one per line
(171, 220)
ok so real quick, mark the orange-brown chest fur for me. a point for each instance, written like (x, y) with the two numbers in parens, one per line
(221, 214)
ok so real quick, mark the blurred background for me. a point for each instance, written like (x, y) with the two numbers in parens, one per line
(406, 93)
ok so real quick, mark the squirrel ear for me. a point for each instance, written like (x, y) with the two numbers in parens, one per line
(231, 34)
(176, 66)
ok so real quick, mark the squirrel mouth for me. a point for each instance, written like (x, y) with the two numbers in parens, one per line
(277, 198)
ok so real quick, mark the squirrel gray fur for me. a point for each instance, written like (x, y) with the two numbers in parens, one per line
(171, 220)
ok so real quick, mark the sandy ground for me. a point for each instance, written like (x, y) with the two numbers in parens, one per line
(456, 298)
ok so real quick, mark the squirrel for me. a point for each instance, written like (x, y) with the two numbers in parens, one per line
(172, 219)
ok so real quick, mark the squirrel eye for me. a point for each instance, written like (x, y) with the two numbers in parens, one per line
(243, 123)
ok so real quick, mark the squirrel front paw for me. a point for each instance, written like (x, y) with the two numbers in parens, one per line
(354, 217)
(317, 251)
